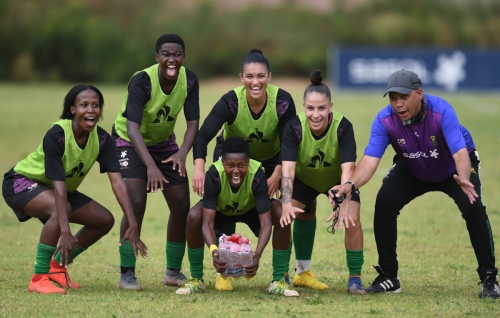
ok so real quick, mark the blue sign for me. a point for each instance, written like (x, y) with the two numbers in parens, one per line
(438, 69)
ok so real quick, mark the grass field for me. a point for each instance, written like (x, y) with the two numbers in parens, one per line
(437, 263)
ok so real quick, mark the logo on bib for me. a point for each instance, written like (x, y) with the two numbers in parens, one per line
(256, 137)
(76, 171)
(319, 160)
(162, 115)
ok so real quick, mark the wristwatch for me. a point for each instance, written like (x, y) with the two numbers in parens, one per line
(353, 187)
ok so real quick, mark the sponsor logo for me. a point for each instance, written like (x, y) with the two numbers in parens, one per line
(33, 186)
(434, 141)
(124, 154)
(420, 154)
(124, 163)
(401, 141)
(319, 160)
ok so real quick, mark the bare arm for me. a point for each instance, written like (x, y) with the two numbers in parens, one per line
(67, 240)
(287, 176)
(462, 163)
(132, 234)
(209, 236)
(361, 175)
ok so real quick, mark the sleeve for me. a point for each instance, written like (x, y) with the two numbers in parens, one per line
(139, 94)
(347, 143)
(289, 142)
(451, 130)
(53, 148)
(260, 192)
(192, 103)
(220, 114)
(107, 155)
(378, 139)
(285, 115)
(212, 189)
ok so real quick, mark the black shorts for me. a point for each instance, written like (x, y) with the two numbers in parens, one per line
(269, 164)
(18, 201)
(131, 166)
(251, 218)
(306, 195)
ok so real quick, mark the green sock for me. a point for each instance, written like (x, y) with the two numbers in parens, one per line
(175, 254)
(289, 256)
(280, 265)
(195, 256)
(127, 258)
(43, 256)
(303, 238)
(355, 260)
(75, 252)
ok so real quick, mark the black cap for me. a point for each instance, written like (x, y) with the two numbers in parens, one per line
(403, 82)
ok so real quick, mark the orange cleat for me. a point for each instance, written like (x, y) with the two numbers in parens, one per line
(59, 275)
(40, 283)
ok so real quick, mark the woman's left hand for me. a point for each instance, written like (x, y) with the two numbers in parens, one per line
(179, 161)
(251, 270)
(132, 235)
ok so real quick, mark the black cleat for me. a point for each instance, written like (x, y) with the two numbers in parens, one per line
(384, 284)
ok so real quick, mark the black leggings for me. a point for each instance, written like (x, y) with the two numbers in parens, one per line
(399, 188)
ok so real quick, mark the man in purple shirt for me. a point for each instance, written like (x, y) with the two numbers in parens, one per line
(433, 153)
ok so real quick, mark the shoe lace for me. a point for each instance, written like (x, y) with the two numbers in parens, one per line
(488, 283)
(283, 285)
(130, 278)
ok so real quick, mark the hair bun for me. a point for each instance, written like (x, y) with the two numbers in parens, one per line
(316, 77)
(256, 51)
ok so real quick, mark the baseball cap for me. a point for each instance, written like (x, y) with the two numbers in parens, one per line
(403, 82)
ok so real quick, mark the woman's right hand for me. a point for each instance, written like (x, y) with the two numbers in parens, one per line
(66, 243)
(288, 214)
(220, 266)
(155, 177)
(199, 182)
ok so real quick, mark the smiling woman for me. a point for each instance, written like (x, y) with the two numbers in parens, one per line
(150, 157)
(44, 186)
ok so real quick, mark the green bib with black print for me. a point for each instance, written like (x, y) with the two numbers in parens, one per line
(261, 134)
(231, 204)
(76, 161)
(160, 113)
(318, 161)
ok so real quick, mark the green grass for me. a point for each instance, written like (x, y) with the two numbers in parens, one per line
(437, 263)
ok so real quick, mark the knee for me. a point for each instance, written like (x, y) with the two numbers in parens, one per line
(108, 222)
(194, 218)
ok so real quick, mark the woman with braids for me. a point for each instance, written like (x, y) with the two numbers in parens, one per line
(318, 150)
(256, 111)
(236, 191)
(44, 186)
(149, 156)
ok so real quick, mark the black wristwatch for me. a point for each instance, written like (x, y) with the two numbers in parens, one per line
(353, 187)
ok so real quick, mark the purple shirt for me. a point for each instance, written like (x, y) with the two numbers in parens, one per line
(426, 149)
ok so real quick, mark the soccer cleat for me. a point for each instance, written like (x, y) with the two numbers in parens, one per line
(191, 286)
(40, 283)
(307, 279)
(489, 288)
(59, 275)
(354, 286)
(281, 288)
(129, 281)
(222, 283)
(384, 284)
(287, 278)
(173, 278)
